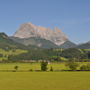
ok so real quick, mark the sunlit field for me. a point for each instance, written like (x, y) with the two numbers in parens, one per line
(34, 66)
(24, 79)
(44, 80)
(28, 66)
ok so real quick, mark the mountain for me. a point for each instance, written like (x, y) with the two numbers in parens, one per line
(88, 42)
(7, 43)
(35, 42)
(29, 34)
(29, 30)
(84, 45)
(68, 44)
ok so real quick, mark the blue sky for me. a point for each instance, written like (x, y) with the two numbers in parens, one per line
(71, 16)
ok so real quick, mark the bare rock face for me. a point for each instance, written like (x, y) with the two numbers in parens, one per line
(28, 30)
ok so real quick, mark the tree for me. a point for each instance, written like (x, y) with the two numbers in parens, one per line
(44, 66)
(88, 54)
(83, 68)
(72, 65)
(71, 53)
(88, 66)
(16, 68)
(1, 55)
(51, 68)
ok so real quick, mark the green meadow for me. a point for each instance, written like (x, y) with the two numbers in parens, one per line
(44, 80)
(28, 66)
(10, 52)
(23, 79)
(35, 66)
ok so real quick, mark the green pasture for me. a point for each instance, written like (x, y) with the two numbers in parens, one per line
(28, 66)
(34, 66)
(44, 80)
(10, 52)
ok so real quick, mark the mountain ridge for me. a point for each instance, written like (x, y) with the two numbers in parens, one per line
(7, 43)
(84, 45)
(28, 30)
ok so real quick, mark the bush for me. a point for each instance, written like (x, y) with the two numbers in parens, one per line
(83, 68)
(16, 68)
(72, 65)
(1, 55)
(31, 70)
(51, 68)
(88, 66)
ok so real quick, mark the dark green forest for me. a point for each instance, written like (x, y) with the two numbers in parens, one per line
(60, 55)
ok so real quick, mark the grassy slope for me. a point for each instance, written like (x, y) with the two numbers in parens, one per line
(11, 52)
(45, 81)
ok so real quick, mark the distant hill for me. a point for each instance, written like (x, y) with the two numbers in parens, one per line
(42, 43)
(37, 49)
(27, 43)
(84, 46)
(35, 42)
(7, 43)
(68, 44)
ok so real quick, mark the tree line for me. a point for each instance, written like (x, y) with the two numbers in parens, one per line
(72, 66)
(60, 55)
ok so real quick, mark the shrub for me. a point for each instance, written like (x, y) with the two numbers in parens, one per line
(31, 70)
(83, 68)
(44, 66)
(16, 68)
(1, 55)
(88, 66)
(72, 65)
(51, 68)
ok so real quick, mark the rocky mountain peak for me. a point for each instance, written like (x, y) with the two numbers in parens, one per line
(29, 30)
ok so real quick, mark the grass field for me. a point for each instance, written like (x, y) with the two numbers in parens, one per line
(34, 66)
(28, 66)
(44, 80)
